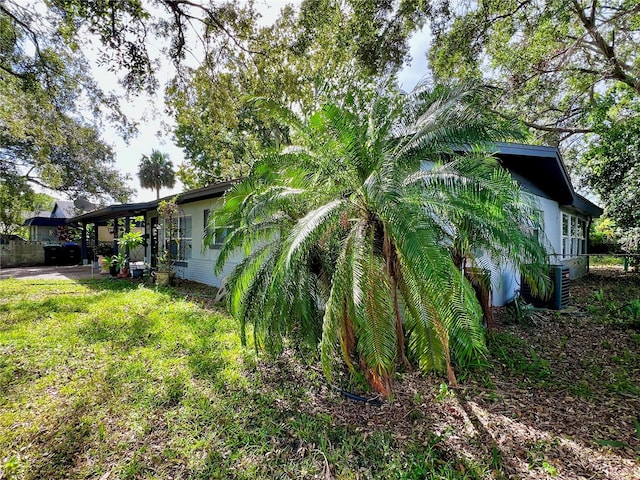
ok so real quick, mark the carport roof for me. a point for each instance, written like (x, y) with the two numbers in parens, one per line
(121, 210)
(113, 211)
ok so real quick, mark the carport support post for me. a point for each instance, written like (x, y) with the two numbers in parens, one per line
(96, 241)
(83, 244)
(116, 227)
(127, 228)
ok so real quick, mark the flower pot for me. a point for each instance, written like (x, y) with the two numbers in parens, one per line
(164, 278)
(113, 270)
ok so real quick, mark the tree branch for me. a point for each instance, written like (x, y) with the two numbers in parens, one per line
(13, 73)
(175, 7)
(509, 14)
(557, 129)
(32, 34)
(618, 72)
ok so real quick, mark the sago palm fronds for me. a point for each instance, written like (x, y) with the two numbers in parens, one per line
(349, 240)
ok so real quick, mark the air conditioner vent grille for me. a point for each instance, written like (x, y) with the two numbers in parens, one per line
(560, 276)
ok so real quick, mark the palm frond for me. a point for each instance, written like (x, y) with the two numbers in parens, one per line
(351, 244)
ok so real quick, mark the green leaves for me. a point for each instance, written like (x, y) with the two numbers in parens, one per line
(567, 70)
(156, 171)
(45, 138)
(351, 246)
(612, 164)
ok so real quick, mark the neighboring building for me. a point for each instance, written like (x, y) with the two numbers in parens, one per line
(539, 170)
(46, 226)
(5, 239)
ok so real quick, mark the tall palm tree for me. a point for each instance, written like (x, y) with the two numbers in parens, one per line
(348, 238)
(156, 171)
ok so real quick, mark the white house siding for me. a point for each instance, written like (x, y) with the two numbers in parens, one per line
(506, 282)
(200, 267)
(505, 285)
(552, 223)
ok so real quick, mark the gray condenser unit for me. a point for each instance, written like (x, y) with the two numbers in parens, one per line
(560, 276)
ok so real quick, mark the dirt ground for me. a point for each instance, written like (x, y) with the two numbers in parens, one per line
(560, 397)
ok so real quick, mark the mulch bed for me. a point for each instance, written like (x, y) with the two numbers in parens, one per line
(580, 421)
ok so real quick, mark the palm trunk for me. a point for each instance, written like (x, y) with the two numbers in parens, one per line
(482, 289)
(391, 261)
(348, 340)
(400, 329)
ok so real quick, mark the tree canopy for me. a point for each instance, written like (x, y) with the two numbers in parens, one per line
(307, 56)
(568, 69)
(43, 62)
(44, 139)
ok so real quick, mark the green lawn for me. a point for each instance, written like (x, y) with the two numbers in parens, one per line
(113, 380)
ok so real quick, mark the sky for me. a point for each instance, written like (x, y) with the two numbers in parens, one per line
(154, 124)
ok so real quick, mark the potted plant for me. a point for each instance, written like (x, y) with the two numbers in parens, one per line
(103, 253)
(128, 242)
(119, 263)
(106, 265)
(164, 273)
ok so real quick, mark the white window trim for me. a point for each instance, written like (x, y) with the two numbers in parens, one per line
(573, 238)
(182, 254)
(217, 240)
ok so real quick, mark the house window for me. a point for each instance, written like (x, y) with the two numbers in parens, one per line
(538, 223)
(218, 233)
(574, 235)
(185, 239)
(181, 245)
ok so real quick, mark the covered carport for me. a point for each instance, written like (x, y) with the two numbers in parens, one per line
(121, 215)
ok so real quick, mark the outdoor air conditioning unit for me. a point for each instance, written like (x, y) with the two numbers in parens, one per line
(559, 297)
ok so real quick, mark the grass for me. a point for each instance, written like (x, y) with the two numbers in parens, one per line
(605, 261)
(107, 379)
(112, 380)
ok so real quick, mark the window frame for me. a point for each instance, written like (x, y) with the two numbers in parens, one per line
(218, 238)
(185, 243)
(573, 235)
(181, 245)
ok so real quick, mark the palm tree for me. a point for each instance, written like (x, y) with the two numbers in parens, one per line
(156, 171)
(349, 238)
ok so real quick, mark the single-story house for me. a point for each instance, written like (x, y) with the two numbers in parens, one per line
(567, 215)
(193, 261)
(539, 170)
